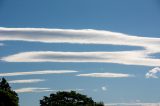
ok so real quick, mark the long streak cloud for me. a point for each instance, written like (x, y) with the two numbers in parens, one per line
(37, 72)
(84, 36)
(38, 89)
(26, 81)
(32, 89)
(123, 57)
(106, 75)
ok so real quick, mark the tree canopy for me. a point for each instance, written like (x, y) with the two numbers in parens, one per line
(8, 97)
(65, 98)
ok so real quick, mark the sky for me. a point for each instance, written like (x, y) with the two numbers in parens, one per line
(106, 49)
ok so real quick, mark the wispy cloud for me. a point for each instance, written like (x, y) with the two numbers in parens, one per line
(38, 72)
(153, 73)
(35, 89)
(26, 81)
(122, 57)
(106, 75)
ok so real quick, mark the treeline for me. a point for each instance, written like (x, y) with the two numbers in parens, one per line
(8, 97)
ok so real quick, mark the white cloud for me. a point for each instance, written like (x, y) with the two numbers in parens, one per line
(26, 81)
(122, 57)
(103, 88)
(133, 104)
(32, 89)
(153, 73)
(85, 36)
(106, 75)
(38, 72)
(35, 89)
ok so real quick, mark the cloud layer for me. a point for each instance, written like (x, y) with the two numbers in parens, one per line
(37, 72)
(84, 36)
(153, 73)
(106, 75)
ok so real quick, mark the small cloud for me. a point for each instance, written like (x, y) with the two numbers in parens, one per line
(38, 72)
(106, 75)
(1, 44)
(27, 81)
(153, 73)
(103, 88)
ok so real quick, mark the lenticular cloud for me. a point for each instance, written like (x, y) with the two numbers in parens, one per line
(37, 72)
(122, 57)
(106, 75)
(84, 36)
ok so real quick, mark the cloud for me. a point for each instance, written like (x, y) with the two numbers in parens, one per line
(106, 75)
(32, 89)
(103, 88)
(77, 89)
(27, 81)
(37, 72)
(84, 36)
(122, 57)
(153, 73)
(1, 44)
(133, 104)
(35, 89)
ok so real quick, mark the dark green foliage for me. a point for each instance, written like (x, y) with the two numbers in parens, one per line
(7, 96)
(68, 99)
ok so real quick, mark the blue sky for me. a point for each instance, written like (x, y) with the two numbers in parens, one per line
(107, 49)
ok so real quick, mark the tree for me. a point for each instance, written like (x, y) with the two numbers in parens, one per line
(68, 99)
(8, 97)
